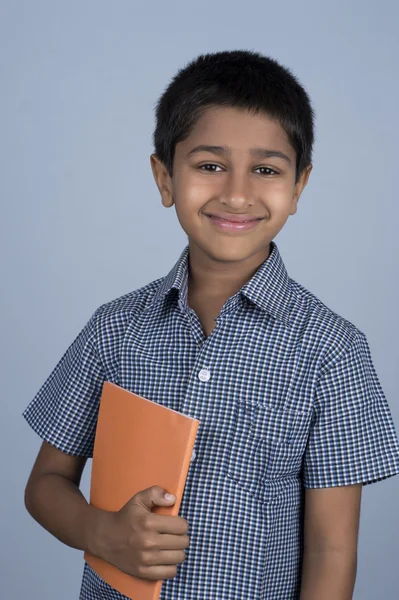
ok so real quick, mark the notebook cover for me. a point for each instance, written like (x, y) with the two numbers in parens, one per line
(138, 443)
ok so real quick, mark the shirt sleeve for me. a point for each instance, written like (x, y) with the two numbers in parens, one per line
(64, 411)
(352, 439)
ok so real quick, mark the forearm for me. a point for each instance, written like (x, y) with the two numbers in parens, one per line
(328, 575)
(59, 506)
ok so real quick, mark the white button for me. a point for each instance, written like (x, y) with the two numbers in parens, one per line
(194, 454)
(204, 375)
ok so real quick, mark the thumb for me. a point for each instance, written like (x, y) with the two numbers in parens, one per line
(154, 496)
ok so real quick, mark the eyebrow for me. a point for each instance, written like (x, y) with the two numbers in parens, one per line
(257, 152)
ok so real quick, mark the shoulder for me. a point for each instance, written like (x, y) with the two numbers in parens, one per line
(327, 333)
(118, 312)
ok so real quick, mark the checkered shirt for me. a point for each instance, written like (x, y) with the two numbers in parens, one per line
(287, 397)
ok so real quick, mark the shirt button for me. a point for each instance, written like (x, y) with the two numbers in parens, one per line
(193, 455)
(204, 375)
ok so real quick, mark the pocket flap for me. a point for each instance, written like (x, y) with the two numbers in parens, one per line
(278, 426)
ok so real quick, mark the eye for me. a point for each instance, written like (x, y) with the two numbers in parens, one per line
(269, 170)
(210, 167)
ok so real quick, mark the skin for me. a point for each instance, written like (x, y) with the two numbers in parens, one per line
(331, 527)
(220, 263)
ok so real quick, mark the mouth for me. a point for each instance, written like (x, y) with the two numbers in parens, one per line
(228, 220)
(235, 218)
(225, 225)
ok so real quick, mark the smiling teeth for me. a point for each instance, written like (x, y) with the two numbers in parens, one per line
(250, 221)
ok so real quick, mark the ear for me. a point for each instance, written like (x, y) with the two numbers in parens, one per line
(299, 187)
(162, 179)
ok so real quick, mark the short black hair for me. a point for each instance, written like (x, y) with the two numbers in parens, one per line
(235, 78)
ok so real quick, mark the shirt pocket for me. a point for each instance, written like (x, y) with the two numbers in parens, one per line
(266, 449)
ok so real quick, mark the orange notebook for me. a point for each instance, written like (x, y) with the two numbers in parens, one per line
(138, 443)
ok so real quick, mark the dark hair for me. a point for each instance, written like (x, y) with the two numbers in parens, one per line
(235, 78)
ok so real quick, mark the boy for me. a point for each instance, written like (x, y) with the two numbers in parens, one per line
(293, 417)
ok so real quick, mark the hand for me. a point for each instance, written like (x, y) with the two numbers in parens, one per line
(140, 542)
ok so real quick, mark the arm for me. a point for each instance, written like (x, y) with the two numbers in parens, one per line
(331, 528)
(53, 499)
(132, 539)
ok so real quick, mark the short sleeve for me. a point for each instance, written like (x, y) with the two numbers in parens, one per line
(352, 438)
(64, 411)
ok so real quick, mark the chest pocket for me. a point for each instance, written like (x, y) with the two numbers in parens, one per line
(266, 448)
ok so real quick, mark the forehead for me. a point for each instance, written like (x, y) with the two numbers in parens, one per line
(237, 129)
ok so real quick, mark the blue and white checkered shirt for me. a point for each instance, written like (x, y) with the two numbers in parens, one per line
(288, 399)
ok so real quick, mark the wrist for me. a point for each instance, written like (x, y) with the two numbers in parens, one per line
(96, 534)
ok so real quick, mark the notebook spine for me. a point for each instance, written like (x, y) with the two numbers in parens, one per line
(174, 509)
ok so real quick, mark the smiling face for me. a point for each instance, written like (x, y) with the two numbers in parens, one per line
(238, 163)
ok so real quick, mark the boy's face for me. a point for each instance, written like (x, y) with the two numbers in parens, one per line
(236, 176)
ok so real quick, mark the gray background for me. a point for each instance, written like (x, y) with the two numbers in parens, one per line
(82, 221)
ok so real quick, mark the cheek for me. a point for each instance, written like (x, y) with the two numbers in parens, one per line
(282, 186)
(192, 191)
(277, 195)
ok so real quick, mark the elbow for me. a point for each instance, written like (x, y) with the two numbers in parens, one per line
(29, 496)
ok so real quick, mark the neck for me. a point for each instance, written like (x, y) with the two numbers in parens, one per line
(220, 279)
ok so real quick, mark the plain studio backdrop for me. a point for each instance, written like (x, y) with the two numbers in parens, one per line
(82, 221)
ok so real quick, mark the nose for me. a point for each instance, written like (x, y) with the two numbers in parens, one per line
(236, 191)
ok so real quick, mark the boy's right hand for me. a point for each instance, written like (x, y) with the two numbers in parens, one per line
(140, 542)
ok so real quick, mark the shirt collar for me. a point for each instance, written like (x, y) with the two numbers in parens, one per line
(269, 288)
